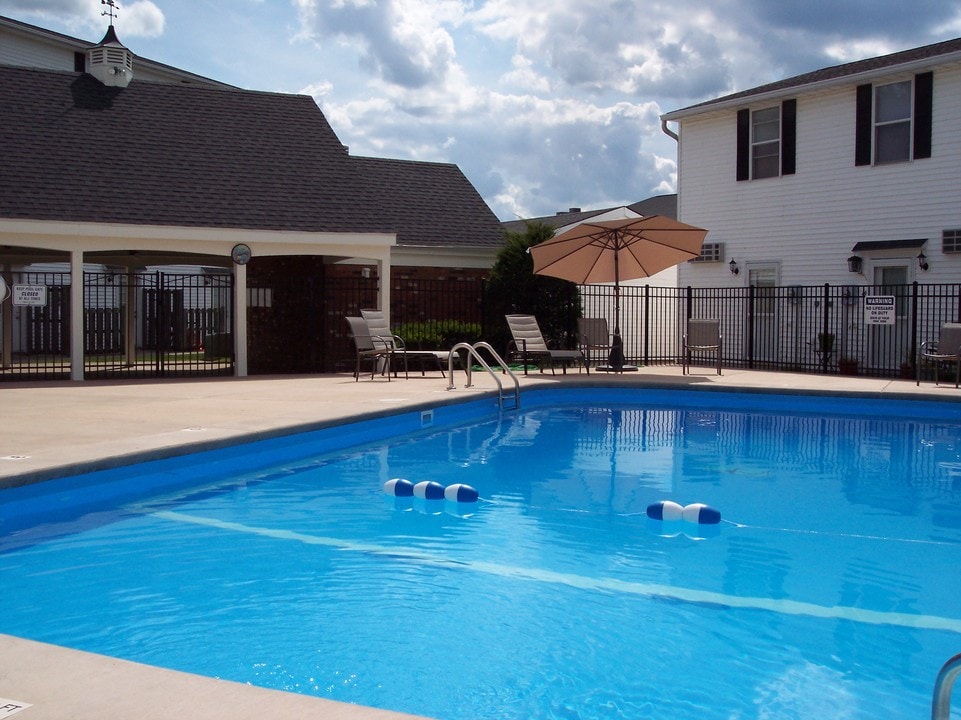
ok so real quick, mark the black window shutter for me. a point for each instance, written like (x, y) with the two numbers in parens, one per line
(788, 136)
(743, 144)
(862, 125)
(923, 96)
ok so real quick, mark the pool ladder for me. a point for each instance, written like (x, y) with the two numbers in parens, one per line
(472, 353)
(941, 702)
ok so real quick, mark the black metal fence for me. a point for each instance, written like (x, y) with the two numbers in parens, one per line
(157, 324)
(165, 324)
(135, 325)
(854, 329)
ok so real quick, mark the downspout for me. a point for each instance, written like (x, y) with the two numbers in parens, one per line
(667, 131)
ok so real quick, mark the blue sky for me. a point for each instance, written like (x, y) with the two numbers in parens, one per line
(544, 104)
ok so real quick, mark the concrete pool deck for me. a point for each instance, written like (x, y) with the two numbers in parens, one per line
(61, 428)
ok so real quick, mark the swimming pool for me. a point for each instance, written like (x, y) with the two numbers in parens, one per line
(830, 590)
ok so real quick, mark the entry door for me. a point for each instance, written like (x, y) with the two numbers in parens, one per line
(888, 343)
(764, 279)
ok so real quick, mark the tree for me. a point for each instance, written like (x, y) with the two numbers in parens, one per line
(514, 288)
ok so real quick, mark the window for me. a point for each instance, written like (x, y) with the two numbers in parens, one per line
(710, 252)
(892, 122)
(766, 141)
(951, 241)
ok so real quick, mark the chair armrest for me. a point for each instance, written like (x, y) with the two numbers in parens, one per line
(387, 343)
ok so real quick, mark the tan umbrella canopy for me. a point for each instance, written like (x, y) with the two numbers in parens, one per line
(609, 251)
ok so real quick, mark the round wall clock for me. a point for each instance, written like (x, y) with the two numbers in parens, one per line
(240, 254)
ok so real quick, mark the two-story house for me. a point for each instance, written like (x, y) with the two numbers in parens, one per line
(848, 175)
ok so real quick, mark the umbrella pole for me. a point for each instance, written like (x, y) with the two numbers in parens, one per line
(616, 359)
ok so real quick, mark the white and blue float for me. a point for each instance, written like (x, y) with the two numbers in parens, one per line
(669, 511)
(458, 492)
(430, 490)
(399, 487)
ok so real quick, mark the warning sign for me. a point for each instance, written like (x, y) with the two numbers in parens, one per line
(30, 295)
(879, 310)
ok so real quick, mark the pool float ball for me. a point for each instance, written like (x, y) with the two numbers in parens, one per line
(461, 493)
(398, 487)
(429, 490)
(701, 514)
(665, 510)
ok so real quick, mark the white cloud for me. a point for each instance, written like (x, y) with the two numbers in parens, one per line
(143, 19)
(403, 42)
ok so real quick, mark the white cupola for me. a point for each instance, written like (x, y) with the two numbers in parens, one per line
(110, 62)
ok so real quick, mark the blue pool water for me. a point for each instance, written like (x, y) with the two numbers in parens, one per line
(830, 590)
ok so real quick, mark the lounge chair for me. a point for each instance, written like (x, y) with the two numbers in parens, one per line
(702, 336)
(528, 343)
(945, 351)
(594, 337)
(378, 327)
(367, 346)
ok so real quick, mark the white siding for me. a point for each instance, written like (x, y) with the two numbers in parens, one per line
(16, 48)
(808, 222)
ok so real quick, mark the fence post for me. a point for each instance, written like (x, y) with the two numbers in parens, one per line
(647, 325)
(825, 329)
(751, 310)
(913, 341)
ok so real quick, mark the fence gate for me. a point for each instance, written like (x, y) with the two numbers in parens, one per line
(157, 324)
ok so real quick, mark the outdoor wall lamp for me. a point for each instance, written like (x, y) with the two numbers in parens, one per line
(855, 263)
(922, 261)
(734, 268)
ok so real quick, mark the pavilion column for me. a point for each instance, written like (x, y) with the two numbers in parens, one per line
(76, 315)
(383, 287)
(240, 320)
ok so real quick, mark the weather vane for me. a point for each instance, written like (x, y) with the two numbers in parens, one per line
(112, 9)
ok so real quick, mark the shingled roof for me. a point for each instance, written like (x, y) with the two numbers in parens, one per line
(187, 155)
(429, 204)
(920, 55)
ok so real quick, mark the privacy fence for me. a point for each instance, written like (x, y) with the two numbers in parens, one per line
(172, 325)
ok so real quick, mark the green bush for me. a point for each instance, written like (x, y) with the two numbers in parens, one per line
(438, 334)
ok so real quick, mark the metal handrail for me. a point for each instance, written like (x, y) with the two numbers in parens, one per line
(941, 702)
(472, 352)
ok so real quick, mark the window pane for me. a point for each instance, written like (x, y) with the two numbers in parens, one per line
(767, 160)
(767, 124)
(893, 143)
(893, 102)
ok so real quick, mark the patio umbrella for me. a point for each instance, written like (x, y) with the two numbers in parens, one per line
(609, 251)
